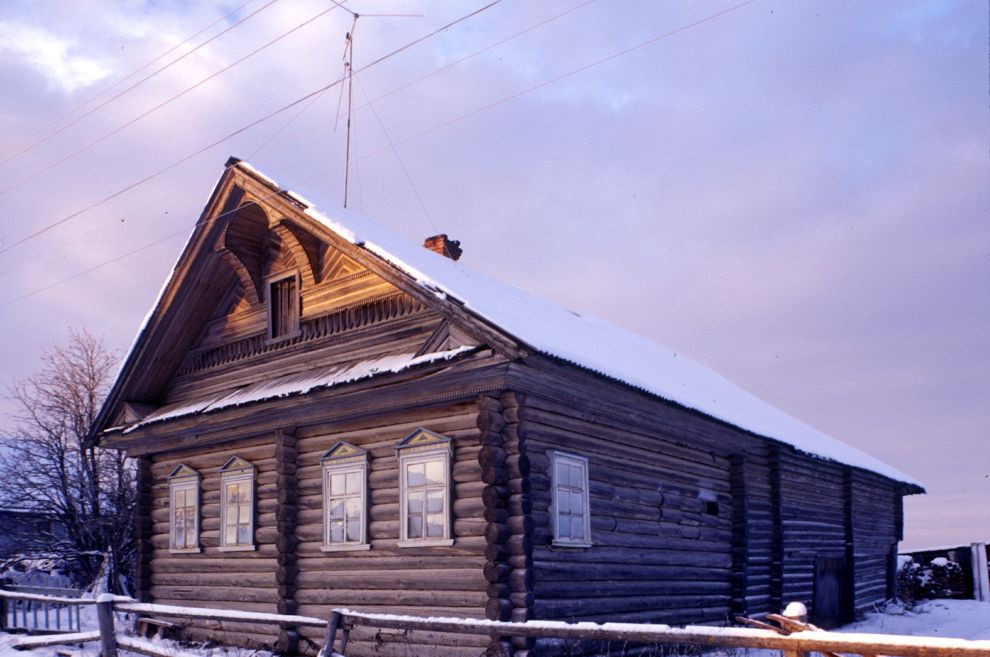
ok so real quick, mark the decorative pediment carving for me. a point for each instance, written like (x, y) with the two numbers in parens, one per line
(337, 265)
(344, 451)
(241, 246)
(446, 337)
(236, 464)
(183, 471)
(423, 438)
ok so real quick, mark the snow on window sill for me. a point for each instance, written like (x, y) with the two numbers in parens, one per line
(237, 548)
(580, 545)
(346, 547)
(189, 550)
(431, 542)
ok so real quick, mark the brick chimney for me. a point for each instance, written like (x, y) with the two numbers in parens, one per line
(444, 246)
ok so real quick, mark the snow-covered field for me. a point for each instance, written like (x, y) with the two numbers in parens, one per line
(959, 619)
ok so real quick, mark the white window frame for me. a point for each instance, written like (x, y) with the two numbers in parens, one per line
(343, 459)
(581, 462)
(237, 471)
(271, 280)
(422, 447)
(184, 479)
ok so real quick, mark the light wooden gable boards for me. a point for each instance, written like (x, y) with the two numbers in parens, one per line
(212, 310)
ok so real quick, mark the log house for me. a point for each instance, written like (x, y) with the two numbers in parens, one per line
(325, 417)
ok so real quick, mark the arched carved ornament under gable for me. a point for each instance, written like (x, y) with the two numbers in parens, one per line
(259, 247)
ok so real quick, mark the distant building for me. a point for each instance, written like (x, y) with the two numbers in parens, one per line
(325, 415)
(19, 529)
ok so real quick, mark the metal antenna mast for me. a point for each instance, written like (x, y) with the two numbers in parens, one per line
(349, 71)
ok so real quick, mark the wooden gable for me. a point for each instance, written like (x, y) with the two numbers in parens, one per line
(210, 331)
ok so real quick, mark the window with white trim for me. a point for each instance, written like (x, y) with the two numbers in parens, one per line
(237, 479)
(424, 490)
(570, 508)
(345, 498)
(183, 501)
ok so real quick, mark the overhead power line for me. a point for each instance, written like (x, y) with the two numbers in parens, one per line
(265, 145)
(443, 68)
(105, 199)
(162, 104)
(106, 102)
(391, 146)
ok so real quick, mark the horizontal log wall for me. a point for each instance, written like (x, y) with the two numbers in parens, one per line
(812, 517)
(875, 521)
(428, 580)
(236, 580)
(661, 523)
(658, 555)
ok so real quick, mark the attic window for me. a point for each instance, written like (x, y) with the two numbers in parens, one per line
(283, 307)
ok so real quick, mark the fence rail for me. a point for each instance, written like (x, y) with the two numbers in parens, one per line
(40, 609)
(341, 621)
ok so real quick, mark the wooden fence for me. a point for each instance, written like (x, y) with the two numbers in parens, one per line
(41, 609)
(793, 638)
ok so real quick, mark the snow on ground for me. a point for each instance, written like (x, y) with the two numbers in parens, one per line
(947, 619)
(958, 619)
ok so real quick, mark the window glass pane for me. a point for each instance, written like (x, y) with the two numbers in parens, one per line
(243, 535)
(337, 509)
(415, 502)
(180, 497)
(561, 474)
(353, 507)
(564, 526)
(434, 525)
(577, 503)
(231, 535)
(577, 528)
(180, 535)
(434, 501)
(353, 483)
(434, 472)
(576, 478)
(337, 532)
(414, 526)
(415, 474)
(563, 502)
(337, 486)
(353, 529)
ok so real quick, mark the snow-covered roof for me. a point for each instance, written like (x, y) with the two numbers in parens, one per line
(296, 384)
(588, 342)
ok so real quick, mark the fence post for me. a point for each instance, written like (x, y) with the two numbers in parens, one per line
(332, 625)
(104, 615)
(3, 605)
(798, 612)
(981, 576)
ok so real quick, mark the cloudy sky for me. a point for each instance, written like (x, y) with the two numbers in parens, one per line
(793, 193)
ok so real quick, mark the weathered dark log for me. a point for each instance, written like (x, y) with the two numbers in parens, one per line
(495, 572)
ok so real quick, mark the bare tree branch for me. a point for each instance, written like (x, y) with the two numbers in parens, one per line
(49, 467)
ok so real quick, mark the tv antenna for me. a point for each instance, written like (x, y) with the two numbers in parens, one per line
(348, 77)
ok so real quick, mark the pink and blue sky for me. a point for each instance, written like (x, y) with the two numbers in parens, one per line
(792, 193)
